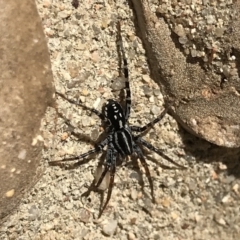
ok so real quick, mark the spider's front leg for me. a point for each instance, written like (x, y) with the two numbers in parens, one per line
(93, 110)
(150, 124)
(126, 75)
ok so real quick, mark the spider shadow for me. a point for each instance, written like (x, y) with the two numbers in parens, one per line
(92, 187)
(200, 150)
(134, 165)
(82, 137)
(91, 157)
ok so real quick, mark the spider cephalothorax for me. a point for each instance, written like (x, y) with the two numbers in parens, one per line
(120, 140)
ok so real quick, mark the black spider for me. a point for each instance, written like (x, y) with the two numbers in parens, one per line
(120, 140)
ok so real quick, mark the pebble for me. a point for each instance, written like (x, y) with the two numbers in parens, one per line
(68, 205)
(33, 213)
(151, 99)
(136, 175)
(179, 30)
(219, 220)
(147, 91)
(155, 110)
(131, 236)
(146, 78)
(229, 179)
(134, 194)
(84, 92)
(110, 227)
(64, 136)
(226, 198)
(64, 14)
(10, 193)
(94, 134)
(84, 215)
(118, 84)
(235, 188)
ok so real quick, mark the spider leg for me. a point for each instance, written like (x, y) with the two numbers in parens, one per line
(126, 74)
(157, 150)
(150, 124)
(145, 165)
(99, 147)
(110, 166)
(99, 114)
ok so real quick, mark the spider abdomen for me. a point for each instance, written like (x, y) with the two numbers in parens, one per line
(122, 141)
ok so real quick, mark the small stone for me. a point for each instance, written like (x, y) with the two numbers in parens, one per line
(68, 205)
(10, 193)
(219, 32)
(33, 213)
(174, 215)
(94, 134)
(151, 99)
(22, 154)
(84, 92)
(226, 198)
(179, 30)
(165, 202)
(214, 175)
(146, 78)
(95, 57)
(183, 40)
(84, 215)
(220, 220)
(64, 14)
(118, 84)
(134, 194)
(147, 91)
(136, 175)
(155, 110)
(210, 19)
(110, 228)
(131, 236)
(235, 188)
(193, 52)
(104, 23)
(47, 3)
(96, 103)
(222, 166)
(80, 46)
(48, 226)
(86, 121)
(229, 179)
(64, 136)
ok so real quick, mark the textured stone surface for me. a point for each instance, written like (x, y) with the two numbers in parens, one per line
(202, 105)
(25, 92)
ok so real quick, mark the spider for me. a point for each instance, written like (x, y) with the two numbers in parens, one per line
(120, 140)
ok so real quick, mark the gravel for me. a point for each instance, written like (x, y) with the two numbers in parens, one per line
(201, 202)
